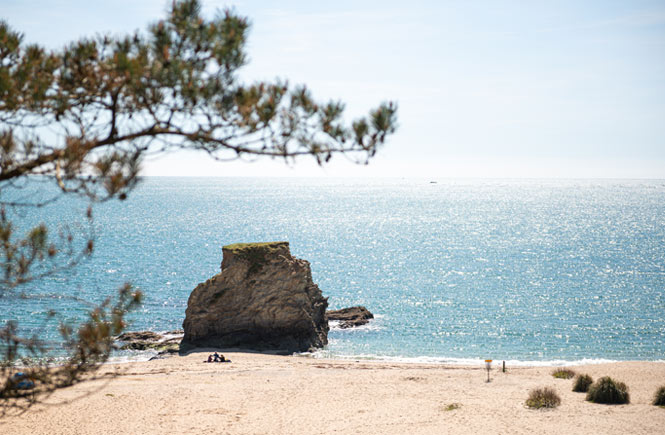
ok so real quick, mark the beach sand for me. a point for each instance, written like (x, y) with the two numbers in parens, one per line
(267, 394)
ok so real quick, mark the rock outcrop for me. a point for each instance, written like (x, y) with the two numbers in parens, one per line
(148, 340)
(140, 336)
(264, 299)
(351, 317)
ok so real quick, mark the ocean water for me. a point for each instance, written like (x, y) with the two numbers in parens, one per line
(528, 271)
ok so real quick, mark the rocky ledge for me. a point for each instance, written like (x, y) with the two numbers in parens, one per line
(148, 340)
(351, 317)
(263, 299)
(168, 342)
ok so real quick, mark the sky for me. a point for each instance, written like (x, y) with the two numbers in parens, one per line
(486, 89)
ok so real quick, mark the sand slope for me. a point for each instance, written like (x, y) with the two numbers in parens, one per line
(265, 394)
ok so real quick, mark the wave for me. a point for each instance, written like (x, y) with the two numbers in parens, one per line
(328, 354)
(372, 325)
(132, 356)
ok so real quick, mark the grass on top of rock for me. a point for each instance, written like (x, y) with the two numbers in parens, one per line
(544, 397)
(256, 254)
(563, 373)
(582, 383)
(268, 246)
(659, 397)
(608, 391)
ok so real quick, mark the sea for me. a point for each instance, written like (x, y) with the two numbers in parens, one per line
(532, 272)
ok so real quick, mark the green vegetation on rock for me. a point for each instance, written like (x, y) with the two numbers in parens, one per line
(256, 254)
(236, 248)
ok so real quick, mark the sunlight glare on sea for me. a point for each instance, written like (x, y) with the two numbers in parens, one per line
(525, 270)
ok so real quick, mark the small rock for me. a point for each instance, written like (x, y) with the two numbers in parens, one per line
(351, 317)
(165, 353)
(144, 340)
(175, 332)
(140, 336)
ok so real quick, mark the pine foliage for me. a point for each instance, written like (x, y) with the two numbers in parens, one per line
(85, 116)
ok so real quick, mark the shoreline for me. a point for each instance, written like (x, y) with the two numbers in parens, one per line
(330, 354)
(259, 393)
(323, 355)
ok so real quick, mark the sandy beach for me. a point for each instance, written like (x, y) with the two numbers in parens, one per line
(267, 394)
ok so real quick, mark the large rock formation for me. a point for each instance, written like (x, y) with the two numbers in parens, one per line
(263, 299)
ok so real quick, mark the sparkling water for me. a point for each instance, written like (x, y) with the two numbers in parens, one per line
(531, 271)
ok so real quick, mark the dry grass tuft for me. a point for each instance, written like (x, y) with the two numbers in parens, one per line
(543, 398)
(452, 407)
(563, 373)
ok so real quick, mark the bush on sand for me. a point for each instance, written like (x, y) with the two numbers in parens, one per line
(562, 373)
(607, 390)
(543, 398)
(582, 383)
(659, 398)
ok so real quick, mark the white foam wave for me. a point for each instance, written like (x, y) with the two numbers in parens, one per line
(328, 354)
(134, 356)
(372, 325)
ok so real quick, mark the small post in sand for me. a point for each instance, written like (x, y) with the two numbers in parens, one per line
(488, 366)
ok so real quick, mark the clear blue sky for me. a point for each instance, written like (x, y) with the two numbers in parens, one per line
(485, 88)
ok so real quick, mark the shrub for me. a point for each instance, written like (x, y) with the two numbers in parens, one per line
(452, 407)
(562, 373)
(543, 398)
(659, 398)
(582, 383)
(607, 390)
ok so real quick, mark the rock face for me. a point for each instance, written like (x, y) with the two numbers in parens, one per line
(264, 299)
(145, 340)
(351, 317)
(140, 336)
